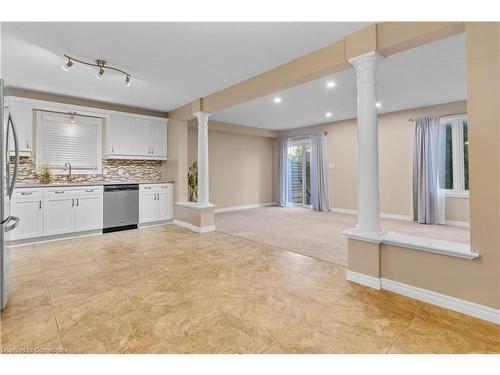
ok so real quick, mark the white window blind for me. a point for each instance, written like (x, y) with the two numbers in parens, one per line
(60, 140)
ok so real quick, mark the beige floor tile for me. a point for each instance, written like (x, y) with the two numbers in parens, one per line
(174, 320)
(467, 323)
(425, 335)
(224, 334)
(26, 300)
(103, 306)
(330, 337)
(27, 331)
(382, 319)
(128, 333)
(373, 296)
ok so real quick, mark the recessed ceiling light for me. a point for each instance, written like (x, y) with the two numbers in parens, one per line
(328, 114)
(277, 99)
(330, 84)
(378, 104)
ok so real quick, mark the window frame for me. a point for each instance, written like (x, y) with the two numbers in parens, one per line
(458, 162)
(61, 171)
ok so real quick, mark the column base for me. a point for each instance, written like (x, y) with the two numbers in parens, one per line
(197, 217)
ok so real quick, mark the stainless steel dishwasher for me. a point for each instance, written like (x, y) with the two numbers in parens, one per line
(121, 207)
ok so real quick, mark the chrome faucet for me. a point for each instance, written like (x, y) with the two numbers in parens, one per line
(67, 165)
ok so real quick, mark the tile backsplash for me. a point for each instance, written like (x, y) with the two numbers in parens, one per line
(131, 170)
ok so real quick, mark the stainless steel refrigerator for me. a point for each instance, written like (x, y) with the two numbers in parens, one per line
(7, 184)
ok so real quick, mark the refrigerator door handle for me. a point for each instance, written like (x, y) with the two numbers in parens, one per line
(12, 184)
(12, 223)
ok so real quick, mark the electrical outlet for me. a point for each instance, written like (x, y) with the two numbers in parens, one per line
(331, 165)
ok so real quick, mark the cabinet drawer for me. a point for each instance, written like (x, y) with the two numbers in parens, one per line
(89, 190)
(27, 193)
(155, 187)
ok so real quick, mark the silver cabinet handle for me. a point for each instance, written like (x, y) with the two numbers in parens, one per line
(147, 187)
(158, 196)
(73, 202)
(112, 148)
(39, 205)
(77, 202)
(154, 196)
(59, 192)
(26, 193)
(28, 145)
(89, 190)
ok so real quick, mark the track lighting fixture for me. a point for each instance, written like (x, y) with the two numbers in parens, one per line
(101, 64)
(66, 67)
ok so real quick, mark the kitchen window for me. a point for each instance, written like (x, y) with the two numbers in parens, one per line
(62, 137)
(456, 176)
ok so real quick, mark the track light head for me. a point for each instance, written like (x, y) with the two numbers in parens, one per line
(66, 67)
(127, 81)
(100, 73)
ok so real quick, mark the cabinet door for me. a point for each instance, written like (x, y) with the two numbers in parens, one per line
(30, 213)
(119, 136)
(148, 209)
(59, 213)
(22, 115)
(140, 136)
(158, 132)
(88, 212)
(165, 203)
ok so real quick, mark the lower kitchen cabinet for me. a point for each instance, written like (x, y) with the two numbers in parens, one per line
(74, 209)
(27, 205)
(56, 211)
(156, 203)
(88, 212)
(59, 212)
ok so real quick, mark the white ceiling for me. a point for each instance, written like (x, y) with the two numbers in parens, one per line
(171, 63)
(432, 74)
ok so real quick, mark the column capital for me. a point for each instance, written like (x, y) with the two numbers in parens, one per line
(202, 118)
(369, 57)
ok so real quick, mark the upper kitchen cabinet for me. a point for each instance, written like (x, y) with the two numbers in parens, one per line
(22, 114)
(136, 137)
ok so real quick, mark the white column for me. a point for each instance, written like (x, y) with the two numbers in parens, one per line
(368, 183)
(203, 158)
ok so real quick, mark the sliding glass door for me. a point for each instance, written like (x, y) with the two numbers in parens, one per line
(299, 172)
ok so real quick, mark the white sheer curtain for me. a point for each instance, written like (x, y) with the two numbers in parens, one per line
(282, 171)
(428, 171)
(320, 192)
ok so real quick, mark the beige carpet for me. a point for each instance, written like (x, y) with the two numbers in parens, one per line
(317, 234)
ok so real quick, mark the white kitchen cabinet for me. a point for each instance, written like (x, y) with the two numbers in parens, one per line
(158, 134)
(89, 210)
(74, 209)
(118, 136)
(59, 212)
(28, 206)
(22, 114)
(136, 137)
(156, 203)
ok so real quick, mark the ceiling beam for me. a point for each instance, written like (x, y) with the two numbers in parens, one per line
(387, 38)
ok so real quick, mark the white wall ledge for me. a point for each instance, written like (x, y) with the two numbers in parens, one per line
(195, 205)
(425, 244)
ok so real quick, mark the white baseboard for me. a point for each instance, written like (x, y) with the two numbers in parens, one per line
(454, 223)
(194, 228)
(360, 278)
(244, 207)
(452, 303)
(383, 215)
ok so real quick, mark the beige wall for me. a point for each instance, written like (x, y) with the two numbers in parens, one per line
(175, 169)
(240, 164)
(395, 153)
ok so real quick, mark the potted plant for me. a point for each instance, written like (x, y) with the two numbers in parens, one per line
(46, 174)
(193, 182)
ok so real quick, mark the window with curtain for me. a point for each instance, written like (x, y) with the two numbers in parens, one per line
(62, 138)
(456, 181)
